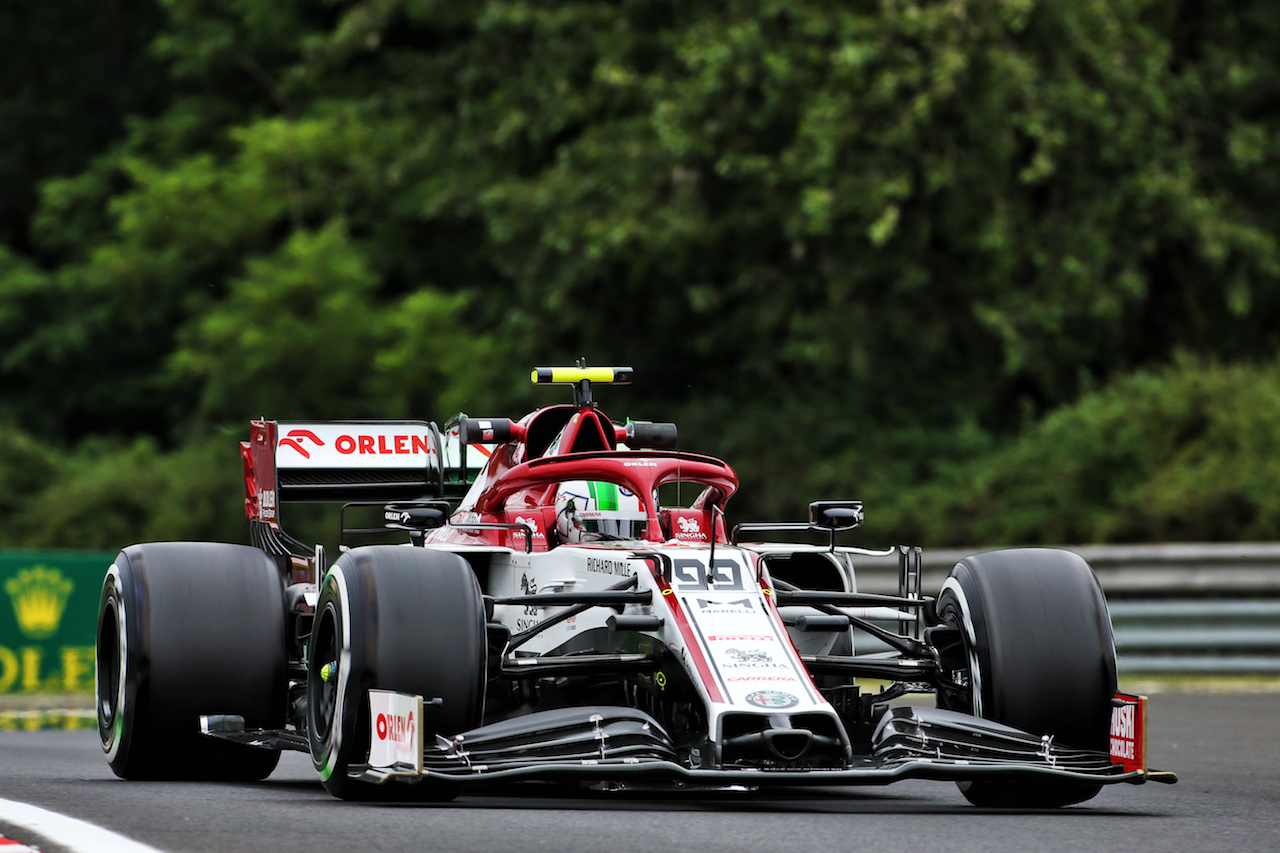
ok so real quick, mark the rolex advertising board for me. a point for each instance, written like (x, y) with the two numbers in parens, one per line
(48, 616)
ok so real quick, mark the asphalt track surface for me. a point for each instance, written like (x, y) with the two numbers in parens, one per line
(1225, 748)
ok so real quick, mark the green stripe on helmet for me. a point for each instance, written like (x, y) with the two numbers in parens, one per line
(604, 495)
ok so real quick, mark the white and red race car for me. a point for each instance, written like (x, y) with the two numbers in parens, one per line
(570, 605)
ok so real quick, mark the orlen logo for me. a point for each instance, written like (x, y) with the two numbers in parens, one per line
(294, 439)
(305, 441)
(379, 444)
(395, 727)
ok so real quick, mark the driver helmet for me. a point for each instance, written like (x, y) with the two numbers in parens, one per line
(589, 511)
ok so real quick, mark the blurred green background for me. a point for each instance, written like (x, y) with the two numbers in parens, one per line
(1006, 270)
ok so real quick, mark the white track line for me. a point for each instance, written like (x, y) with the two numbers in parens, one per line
(75, 835)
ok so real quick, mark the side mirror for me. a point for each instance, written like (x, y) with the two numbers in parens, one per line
(835, 515)
(414, 516)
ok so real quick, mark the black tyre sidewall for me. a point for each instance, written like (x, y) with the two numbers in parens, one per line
(1041, 655)
(394, 618)
(1042, 639)
(115, 692)
(335, 738)
(185, 629)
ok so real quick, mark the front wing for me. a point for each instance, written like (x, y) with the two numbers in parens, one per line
(625, 745)
(618, 744)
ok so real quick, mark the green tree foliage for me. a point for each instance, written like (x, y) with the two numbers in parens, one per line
(70, 74)
(1184, 453)
(847, 246)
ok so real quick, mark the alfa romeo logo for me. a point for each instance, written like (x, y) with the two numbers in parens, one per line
(772, 699)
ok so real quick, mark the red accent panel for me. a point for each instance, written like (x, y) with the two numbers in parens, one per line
(541, 518)
(640, 473)
(1129, 732)
(689, 636)
(584, 433)
(250, 484)
(688, 525)
(258, 454)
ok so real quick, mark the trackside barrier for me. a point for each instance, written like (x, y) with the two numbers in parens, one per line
(1195, 608)
(48, 619)
(1176, 609)
(1229, 636)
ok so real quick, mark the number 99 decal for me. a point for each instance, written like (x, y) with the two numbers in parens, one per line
(688, 573)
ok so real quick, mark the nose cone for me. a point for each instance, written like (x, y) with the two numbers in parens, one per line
(788, 744)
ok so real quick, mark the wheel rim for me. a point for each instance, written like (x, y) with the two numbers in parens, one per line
(324, 690)
(965, 697)
(109, 659)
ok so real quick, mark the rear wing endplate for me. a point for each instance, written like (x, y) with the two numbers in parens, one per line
(339, 461)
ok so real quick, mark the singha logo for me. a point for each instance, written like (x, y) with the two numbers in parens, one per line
(529, 586)
(533, 525)
(39, 596)
(690, 529)
(751, 656)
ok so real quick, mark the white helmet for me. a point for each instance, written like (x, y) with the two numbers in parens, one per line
(595, 511)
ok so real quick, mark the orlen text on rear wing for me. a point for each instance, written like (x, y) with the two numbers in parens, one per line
(337, 461)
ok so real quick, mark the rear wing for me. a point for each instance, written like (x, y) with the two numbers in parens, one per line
(340, 461)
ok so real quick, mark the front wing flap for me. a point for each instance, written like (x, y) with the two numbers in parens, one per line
(605, 743)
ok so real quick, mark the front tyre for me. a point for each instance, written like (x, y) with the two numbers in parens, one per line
(393, 618)
(1040, 657)
(185, 629)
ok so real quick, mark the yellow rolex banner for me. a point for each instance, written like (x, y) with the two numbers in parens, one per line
(48, 619)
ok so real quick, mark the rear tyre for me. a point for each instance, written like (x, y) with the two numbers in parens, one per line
(1040, 656)
(185, 629)
(393, 618)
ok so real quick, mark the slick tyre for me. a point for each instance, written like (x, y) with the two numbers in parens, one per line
(1040, 655)
(186, 629)
(393, 618)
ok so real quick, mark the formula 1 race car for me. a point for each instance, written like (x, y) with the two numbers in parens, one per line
(566, 602)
